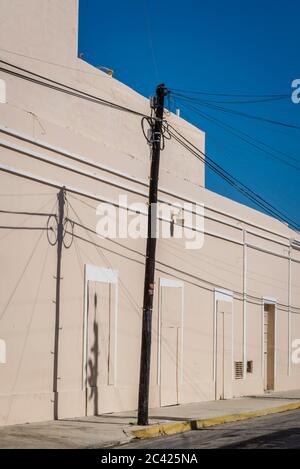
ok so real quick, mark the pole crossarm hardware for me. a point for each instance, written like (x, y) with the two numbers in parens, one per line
(157, 104)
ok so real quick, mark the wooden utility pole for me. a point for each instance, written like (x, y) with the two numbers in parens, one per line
(59, 241)
(143, 403)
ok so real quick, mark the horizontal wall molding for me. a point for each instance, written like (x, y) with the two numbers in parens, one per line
(92, 196)
(117, 173)
(58, 185)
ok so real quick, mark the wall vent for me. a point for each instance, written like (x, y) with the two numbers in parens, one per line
(250, 366)
(238, 370)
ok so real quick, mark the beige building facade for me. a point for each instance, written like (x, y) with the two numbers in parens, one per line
(226, 319)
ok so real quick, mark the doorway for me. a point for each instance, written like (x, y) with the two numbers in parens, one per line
(100, 337)
(224, 362)
(171, 317)
(269, 347)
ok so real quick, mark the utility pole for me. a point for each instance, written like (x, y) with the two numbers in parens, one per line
(150, 259)
(59, 241)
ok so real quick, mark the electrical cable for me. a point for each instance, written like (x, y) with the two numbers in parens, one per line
(236, 184)
(238, 95)
(236, 101)
(149, 121)
(244, 114)
(247, 138)
(249, 193)
(55, 85)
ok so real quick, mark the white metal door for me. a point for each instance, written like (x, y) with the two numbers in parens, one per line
(170, 343)
(100, 337)
(224, 350)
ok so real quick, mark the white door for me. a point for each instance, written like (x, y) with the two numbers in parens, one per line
(100, 347)
(224, 350)
(169, 366)
(171, 318)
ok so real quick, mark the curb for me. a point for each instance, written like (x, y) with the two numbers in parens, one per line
(185, 426)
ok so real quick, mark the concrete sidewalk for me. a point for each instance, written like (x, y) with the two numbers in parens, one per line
(115, 429)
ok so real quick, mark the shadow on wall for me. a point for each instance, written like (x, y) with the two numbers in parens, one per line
(93, 363)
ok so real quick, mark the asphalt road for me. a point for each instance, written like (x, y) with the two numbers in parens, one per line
(278, 431)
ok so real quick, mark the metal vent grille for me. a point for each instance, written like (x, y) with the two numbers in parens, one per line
(238, 370)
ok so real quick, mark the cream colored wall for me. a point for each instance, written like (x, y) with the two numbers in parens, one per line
(114, 139)
(43, 29)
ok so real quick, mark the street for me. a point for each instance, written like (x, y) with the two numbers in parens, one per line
(278, 431)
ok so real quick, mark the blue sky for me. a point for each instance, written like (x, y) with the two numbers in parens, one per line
(226, 46)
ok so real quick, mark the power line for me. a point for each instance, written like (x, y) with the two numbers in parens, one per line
(246, 191)
(91, 196)
(237, 184)
(95, 99)
(232, 217)
(57, 86)
(245, 137)
(238, 95)
(242, 114)
(200, 105)
(86, 95)
(235, 101)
